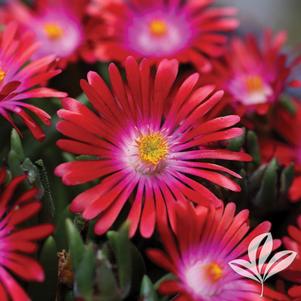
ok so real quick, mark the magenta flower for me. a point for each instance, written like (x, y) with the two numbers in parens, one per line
(151, 140)
(17, 243)
(255, 73)
(199, 251)
(190, 31)
(56, 25)
(21, 79)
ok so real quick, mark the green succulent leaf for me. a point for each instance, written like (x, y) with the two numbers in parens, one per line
(255, 179)
(61, 231)
(138, 267)
(287, 177)
(106, 282)
(85, 273)
(253, 147)
(236, 143)
(288, 105)
(14, 164)
(48, 259)
(76, 245)
(267, 193)
(16, 145)
(148, 292)
(122, 251)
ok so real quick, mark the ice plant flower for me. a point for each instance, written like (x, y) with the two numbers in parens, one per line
(254, 74)
(57, 25)
(287, 125)
(198, 253)
(21, 79)
(17, 243)
(19, 82)
(190, 31)
(150, 137)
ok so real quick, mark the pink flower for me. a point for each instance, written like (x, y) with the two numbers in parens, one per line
(21, 79)
(151, 139)
(198, 253)
(57, 25)
(190, 31)
(254, 74)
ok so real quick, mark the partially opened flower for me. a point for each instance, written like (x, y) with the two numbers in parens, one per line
(190, 31)
(198, 253)
(21, 79)
(254, 73)
(151, 141)
(16, 242)
(57, 25)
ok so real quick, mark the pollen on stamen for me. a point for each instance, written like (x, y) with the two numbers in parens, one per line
(53, 31)
(158, 27)
(254, 83)
(2, 74)
(152, 148)
(214, 272)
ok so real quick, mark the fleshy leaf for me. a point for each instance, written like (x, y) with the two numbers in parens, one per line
(85, 273)
(75, 242)
(148, 292)
(121, 246)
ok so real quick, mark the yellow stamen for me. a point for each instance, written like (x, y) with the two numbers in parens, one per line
(2, 74)
(214, 272)
(158, 27)
(254, 83)
(53, 31)
(152, 148)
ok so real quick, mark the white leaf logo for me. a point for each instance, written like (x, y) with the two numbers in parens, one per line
(258, 269)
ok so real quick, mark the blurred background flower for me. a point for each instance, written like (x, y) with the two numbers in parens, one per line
(106, 136)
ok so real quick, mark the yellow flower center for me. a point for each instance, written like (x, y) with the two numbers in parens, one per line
(158, 27)
(254, 83)
(214, 272)
(53, 31)
(2, 74)
(152, 148)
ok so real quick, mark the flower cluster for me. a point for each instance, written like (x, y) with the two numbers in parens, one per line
(182, 122)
